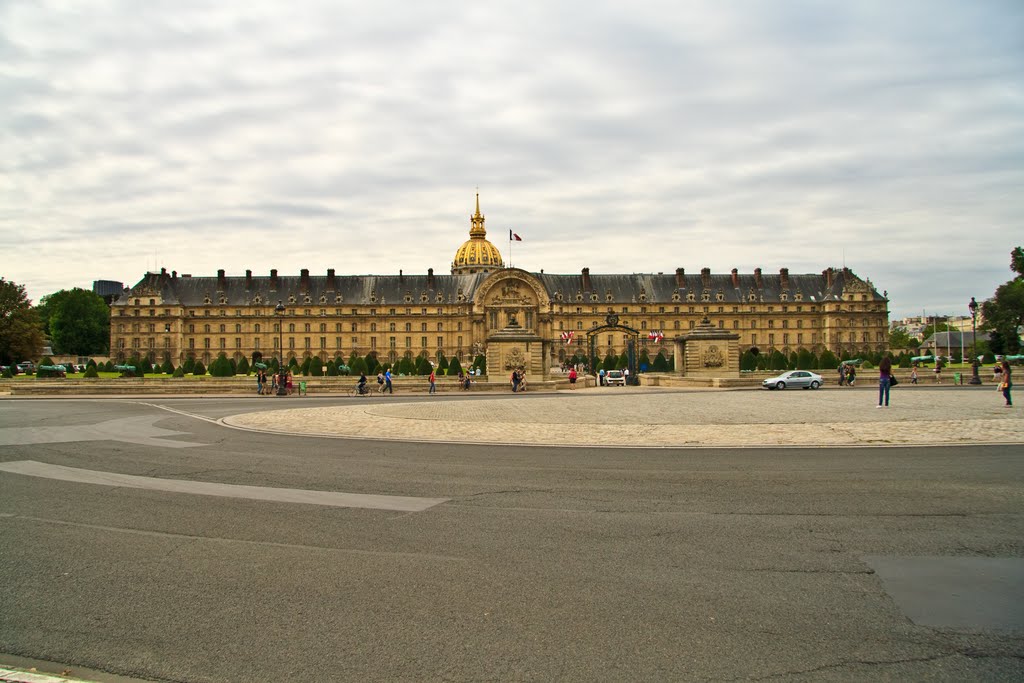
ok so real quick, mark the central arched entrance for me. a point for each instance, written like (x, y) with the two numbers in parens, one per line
(631, 338)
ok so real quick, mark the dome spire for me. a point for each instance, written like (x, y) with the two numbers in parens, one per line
(477, 230)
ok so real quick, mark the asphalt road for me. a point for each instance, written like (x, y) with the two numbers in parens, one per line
(542, 564)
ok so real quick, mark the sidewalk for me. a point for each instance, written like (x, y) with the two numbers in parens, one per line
(638, 417)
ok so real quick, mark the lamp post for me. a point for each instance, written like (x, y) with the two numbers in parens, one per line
(973, 307)
(282, 388)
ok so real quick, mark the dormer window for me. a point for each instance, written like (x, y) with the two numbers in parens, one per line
(675, 296)
(323, 299)
(257, 300)
(783, 297)
(291, 299)
(720, 297)
(690, 296)
(207, 300)
(338, 298)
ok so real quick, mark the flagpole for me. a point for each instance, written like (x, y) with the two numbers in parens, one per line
(510, 247)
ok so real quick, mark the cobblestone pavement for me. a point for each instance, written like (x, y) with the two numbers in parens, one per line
(668, 418)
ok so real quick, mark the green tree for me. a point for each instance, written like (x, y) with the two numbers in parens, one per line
(372, 363)
(1003, 314)
(660, 362)
(644, 361)
(828, 360)
(144, 367)
(423, 366)
(480, 362)
(168, 367)
(90, 372)
(78, 321)
(316, 366)
(190, 365)
(804, 360)
(442, 363)
(899, 338)
(610, 361)
(778, 361)
(199, 369)
(220, 367)
(406, 366)
(454, 366)
(358, 365)
(622, 362)
(21, 333)
(748, 361)
(242, 368)
(179, 371)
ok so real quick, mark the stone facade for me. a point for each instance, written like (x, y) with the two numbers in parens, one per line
(166, 315)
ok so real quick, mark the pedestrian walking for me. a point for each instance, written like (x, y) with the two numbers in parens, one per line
(387, 382)
(600, 377)
(884, 381)
(1006, 384)
(913, 375)
(572, 378)
(851, 375)
(433, 386)
(842, 374)
(514, 380)
(380, 382)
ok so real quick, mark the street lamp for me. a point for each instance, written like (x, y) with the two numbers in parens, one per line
(973, 306)
(282, 388)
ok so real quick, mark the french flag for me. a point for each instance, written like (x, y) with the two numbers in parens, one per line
(513, 236)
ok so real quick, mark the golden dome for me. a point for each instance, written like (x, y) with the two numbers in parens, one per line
(476, 255)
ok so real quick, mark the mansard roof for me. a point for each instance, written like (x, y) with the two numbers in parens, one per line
(337, 290)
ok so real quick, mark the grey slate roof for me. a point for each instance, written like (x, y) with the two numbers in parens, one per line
(393, 289)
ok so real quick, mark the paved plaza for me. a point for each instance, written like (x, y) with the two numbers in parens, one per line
(636, 416)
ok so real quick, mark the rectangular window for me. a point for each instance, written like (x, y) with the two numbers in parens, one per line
(238, 342)
(373, 343)
(206, 342)
(423, 342)
(223, 343)
(291, 342)
(323, 342)
(337, 342)
(306, 342)
(440, 342)
(391, 341)
(423, 327)
(408, 342)
(256, 343)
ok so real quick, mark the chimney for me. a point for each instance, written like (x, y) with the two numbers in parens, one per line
(705, 277)
(248, 279)
(758, 281)
(174, 275)
(401, 276)
(430, 279)
(304, 280)
(586, 280)
(331, 283)
(221, 281)
(827, 274)
(735, 278)
(163, 271)
(680, 278)
(784, 278)
(273, 278)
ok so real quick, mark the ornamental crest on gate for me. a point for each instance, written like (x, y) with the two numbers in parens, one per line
(713, 357)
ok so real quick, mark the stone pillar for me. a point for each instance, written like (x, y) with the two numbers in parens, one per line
(708, 352)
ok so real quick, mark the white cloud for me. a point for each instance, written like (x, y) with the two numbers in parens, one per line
(316, 135)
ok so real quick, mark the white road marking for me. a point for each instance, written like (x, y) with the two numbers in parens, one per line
(32, 468)
(137, 430)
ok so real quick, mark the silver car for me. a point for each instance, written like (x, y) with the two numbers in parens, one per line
(794, 378)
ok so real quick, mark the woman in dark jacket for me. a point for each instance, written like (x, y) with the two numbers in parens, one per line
(1007, 384)
(884, 380)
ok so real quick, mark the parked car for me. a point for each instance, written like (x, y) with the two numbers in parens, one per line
(26, 366)
(614, 377)
(794, 378)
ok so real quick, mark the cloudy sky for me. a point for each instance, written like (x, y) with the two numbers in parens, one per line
(626, 137)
